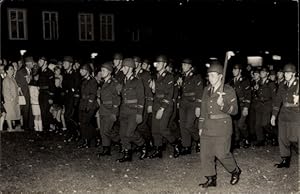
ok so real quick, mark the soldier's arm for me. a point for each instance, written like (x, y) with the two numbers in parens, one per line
(169, 91)
(140, 94)
(148, 91)
(277, 100)
(199, 90)
(116, 99)
(203, 114)
(247, 93)
(230, 102)
(92, 96)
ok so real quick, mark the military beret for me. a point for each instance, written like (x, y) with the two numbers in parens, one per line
(237, 66)
(147, 61)
(28, 59)
(161, 58)
(266, 69)
(52, 61)
(43, 58)
(128, 62)
(118, 56)
(289, 68)
(187, 61)
(69, 59)
(215, 66)
(108, 66)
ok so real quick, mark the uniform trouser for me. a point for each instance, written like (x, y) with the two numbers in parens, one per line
(262, 119)
(87, 130)
(213, 147)
(288, 133)
(187, 124)
(251, 120)
(69, 113)
(160, 128)
(173, 123)
(143, 128)
(106, 126)
(45, 107)
(128, 131)
(240, 128)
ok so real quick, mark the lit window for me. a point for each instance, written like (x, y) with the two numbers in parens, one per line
(107, 27)
(86, 26)
(17, 24)
(50, 25)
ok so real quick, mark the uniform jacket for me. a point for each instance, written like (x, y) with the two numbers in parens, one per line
(215, 121)
(243, 91)
(164, 90)
(284, 103)
(22, 83)
(109, 97)
(145, 76)
(265, 95)
(133, 96)
(192, 89)
(88, 97)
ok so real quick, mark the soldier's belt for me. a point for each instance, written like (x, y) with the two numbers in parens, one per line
(44, 87)
(290, 105)
(107, 102)
(218, 116)
(130, 101)
(149, 98)
(160, 95)
(187, 94)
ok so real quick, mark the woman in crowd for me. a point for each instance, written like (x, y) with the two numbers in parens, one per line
(10, 94)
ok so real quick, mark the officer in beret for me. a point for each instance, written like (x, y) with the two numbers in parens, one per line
(163, 87)
(109, 108)
(131, 112)
(286, 107)
(215, 127)
(87, 106)
(189, 108)
(241, 85)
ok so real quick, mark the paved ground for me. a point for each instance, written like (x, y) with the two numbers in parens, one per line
(45, 164)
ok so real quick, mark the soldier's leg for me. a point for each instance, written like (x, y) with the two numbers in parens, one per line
(236, 133)
(207, 156)
(190, 126)
(242, 124)
(223, 154)
(284, 143)
(251, 122)
(132, 134)
(105, 124)
(183, 123)
(157, 137)
(259, 128)
(164, 121)
(123, 131)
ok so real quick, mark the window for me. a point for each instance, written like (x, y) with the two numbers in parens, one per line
(86, 26)
(50, 25)
(17, 24)
(107, 28)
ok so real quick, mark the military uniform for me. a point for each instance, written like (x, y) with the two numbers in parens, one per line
(252, 110)
(242, 88)
(289, 117)
(109, 109)
(192, 91)
(265, 94)
(87, 108)
(144, 128)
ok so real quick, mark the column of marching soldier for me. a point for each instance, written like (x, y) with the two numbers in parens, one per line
(142, 110)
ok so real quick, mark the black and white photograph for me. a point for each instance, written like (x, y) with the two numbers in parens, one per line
(149, 96)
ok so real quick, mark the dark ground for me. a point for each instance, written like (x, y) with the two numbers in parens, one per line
(45, 164)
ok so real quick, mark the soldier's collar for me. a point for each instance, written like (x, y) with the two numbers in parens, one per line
(189, 73)
(163, 73)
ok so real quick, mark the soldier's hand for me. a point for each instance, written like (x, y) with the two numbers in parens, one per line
(197, 112)
(200, 132)
(50, 101)
(296, 99)
(149, 109)
(220, 100)
(245, 111)
(139, 118)
(159, 114)
(273, 119)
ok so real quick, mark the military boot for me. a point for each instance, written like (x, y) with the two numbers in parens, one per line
(176, 149)
(235, 176)
(143, 151)
(127, 156)
(85, 144)
(157, 152)
(105, 151)
(197, 148)
(211, 182)
(186, 151)
(284, 163)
